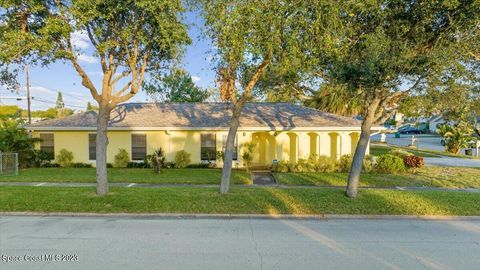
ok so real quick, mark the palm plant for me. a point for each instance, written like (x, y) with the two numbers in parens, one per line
(157, 160)
(456, 136)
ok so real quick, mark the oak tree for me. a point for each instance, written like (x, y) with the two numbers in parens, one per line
(130, 38)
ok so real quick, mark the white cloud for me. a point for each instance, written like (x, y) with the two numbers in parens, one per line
(80, 40)
(87, 59)
(196, 78)
(95, 73)
(41, 90)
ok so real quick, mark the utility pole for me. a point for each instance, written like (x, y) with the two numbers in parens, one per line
(28, 95)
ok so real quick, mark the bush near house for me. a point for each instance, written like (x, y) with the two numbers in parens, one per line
(413, 162)
(65, 158)
(81, 165)
(389, 164)
(182, 159)
(157, 160)
(320, 164)
(121, 159)
(400, 153)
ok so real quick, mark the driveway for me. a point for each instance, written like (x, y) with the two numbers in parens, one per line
(155, 243)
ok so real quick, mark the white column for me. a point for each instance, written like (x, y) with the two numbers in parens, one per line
(324, 144)
(303, 145)
(345, 144)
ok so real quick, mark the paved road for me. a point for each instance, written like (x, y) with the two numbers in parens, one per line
(149, 243)
(429, 142)
(452, 162)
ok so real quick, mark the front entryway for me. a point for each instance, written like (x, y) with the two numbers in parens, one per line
(263, 178)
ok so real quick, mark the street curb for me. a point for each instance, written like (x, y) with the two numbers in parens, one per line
(240, 216)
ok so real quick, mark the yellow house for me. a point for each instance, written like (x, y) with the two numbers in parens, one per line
(280, 132)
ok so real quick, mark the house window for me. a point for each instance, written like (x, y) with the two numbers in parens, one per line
(92, 146)
(139, 146)
(235, 146)
(47, 144)
(208, 148)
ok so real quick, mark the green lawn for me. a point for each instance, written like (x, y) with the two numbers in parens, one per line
(429, 176)
(376, 149)
(239, 200)
(170, 176)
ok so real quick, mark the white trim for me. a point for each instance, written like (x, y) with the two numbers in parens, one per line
(205, 129)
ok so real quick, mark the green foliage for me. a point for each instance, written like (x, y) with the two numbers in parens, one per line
(413, 162)
(91, 107)
(15, 139)
(50, 113)
(182, 159)
(81, 165)
(178, 86)
(335, 99)
(456, 137)
(220, 156)
(201, 165)
(64, 158)
(400, 153)
(59, 104)
(42, 158)
(138, 165)
(9, 111)
(389, 164)
(157, 160)
(247, 154)
(121, 159)
(345, 163)
(368, 164)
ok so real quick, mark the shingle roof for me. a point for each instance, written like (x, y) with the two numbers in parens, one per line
(214, 115)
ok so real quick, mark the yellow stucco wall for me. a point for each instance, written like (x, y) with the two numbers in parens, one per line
(286, 145)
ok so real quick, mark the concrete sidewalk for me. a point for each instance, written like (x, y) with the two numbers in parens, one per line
(137, 185)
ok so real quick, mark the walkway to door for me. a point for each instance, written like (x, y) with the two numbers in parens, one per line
(263, 178)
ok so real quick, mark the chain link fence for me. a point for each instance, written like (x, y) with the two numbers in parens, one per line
(8, 163)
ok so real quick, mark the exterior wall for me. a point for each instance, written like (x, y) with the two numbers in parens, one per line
(281, 145)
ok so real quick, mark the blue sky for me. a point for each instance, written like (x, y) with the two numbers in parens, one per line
(60, 76)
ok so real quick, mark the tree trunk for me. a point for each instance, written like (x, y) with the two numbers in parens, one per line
(227, 162)
(357, 163)
(101, 149)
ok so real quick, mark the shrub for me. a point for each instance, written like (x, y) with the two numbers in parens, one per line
(282, 166)
(400, 153)
(220, 156)
(41, 158)
(122, 158)
(247, 155)
(81, 165)
(389, 164)
(65, 158)
(413, 162)
(368, 164)
(324, 164)
(14, 138)
(345, 163)
(50, 165)
(109, 165)
(169, 165)
(138, 165)
(182, 159)
(157, 160)
(202, 165)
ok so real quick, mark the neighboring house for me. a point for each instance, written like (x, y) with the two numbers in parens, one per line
(280, 131)
(436, 120)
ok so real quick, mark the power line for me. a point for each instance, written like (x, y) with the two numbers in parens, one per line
(52, 102)
(63, 93)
